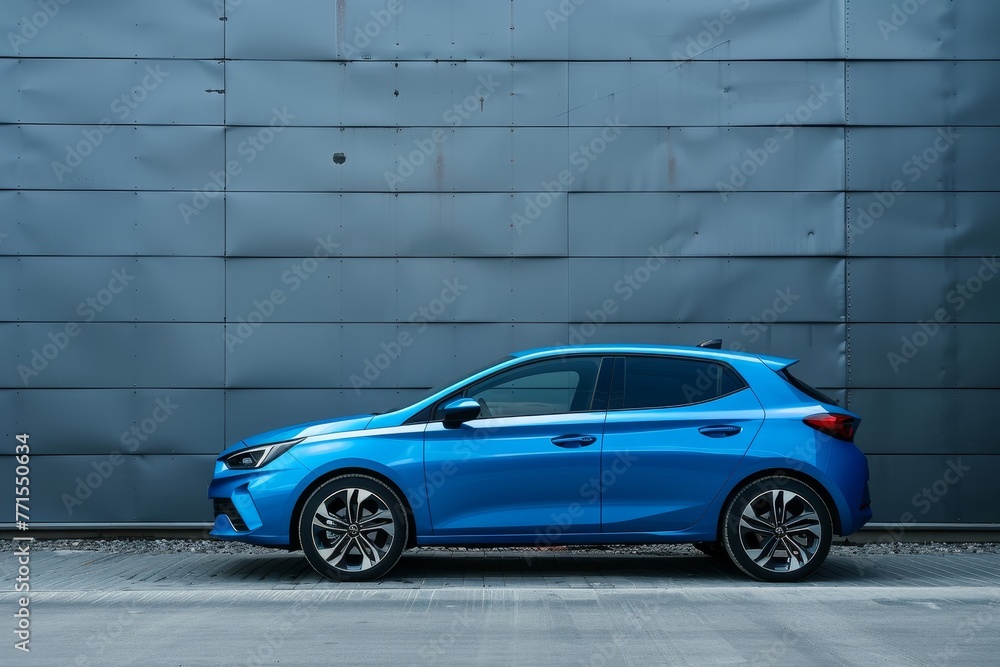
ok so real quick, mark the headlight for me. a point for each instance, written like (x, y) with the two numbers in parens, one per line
(256, 457)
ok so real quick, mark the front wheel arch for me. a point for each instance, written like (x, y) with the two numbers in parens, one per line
(293, 530)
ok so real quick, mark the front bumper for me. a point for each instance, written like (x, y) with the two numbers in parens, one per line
(255, 506)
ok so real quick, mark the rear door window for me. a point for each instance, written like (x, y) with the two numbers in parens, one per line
(666, 382)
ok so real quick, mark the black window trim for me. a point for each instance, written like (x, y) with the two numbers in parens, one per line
(618, 393)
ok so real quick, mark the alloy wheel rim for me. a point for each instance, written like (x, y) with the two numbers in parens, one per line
(780, 531)
(353, 530)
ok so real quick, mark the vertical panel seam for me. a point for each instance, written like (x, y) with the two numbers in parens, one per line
(225, 232)
(847, 204)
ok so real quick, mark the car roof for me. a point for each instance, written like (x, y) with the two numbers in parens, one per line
(676, 350)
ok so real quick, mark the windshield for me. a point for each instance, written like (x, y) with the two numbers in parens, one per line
(453, 380)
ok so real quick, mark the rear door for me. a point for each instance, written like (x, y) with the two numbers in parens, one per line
(677, 429)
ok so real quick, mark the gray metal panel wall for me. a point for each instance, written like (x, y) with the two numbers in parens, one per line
(110, 289)
(922, 236)
(421, 224)
(99, 222)
(146, 421)
(930, 30)
(163, 92)
(111, 29)
(183, 263)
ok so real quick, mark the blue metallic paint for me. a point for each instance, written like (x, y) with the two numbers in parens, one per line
(650, 476)
(496, 476)
(674, 471)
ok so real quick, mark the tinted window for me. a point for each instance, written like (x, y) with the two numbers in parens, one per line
(663, 382)
(807, 389)
(543, 388)
(424, 414)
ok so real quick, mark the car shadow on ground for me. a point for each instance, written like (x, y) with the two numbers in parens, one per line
(564, 568)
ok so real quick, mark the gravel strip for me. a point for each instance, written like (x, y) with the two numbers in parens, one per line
(141, 546)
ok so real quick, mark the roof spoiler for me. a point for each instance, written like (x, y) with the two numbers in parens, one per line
(777, 364)
(713, 344)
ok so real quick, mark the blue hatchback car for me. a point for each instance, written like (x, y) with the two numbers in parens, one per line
(605, 444)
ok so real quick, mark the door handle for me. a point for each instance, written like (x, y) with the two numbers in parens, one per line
(719, 431)
(574, 441)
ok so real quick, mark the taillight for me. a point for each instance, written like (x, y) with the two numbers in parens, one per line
(842, 427)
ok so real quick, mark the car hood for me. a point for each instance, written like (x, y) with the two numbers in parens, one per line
(340, 425)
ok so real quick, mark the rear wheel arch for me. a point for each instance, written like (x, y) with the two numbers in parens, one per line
(798, 475)
(777, 529)
(293, 531)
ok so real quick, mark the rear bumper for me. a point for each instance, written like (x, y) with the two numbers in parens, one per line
(848, 471)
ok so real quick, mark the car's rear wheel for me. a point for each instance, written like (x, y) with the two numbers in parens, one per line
(353, 528)
(777, 529)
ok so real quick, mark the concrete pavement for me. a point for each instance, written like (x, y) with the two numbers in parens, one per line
(516, 607)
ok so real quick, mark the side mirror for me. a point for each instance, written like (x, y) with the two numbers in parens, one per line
(460, 410)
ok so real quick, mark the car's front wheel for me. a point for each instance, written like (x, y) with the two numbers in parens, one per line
(353, 528)
(777, 529)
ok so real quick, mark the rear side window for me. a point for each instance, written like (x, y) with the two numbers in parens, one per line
(807, 389)
(664, 382)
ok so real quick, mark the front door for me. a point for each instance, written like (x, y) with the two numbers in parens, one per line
(530, 464)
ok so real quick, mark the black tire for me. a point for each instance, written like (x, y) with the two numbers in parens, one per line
(364, 529)
(789, 549)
